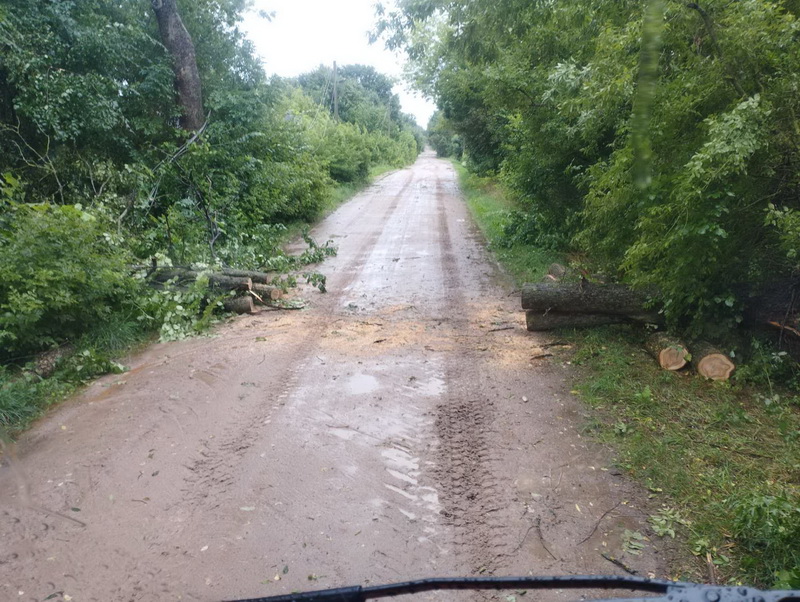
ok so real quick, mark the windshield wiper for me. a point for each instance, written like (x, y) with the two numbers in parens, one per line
(672, 591)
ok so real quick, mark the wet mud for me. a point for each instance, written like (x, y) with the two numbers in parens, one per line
(397, 428)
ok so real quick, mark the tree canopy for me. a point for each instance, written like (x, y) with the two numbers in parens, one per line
(658, 139)
(91, 153)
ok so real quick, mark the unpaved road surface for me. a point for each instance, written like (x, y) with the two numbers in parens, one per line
(397, 428)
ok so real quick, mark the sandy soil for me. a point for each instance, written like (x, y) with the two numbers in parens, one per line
(397, 428)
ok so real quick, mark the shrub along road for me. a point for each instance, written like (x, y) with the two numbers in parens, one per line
(397, 428)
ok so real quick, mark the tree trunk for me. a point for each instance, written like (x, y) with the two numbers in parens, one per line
(539, 321)
(585, 297)
(181, 275)
(230, 283)
(179, 44)
(220, 281)
(255, 276)
(240, 305)
(670, 352)
(711, 362)
(267, 291)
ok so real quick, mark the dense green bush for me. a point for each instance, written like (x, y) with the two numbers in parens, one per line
(767, 529)
(62, 271)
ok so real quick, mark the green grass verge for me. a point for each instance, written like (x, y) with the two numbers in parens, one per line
(345, 191)
(721, 461)
(491, 210)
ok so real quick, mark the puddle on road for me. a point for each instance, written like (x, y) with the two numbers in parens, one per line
(432, 387)
(361, 384)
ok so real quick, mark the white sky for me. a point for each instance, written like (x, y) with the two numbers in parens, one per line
(307, 33)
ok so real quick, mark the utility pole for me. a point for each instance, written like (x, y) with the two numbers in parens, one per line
(335, 93)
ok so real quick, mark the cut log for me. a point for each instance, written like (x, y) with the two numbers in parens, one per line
(230, 283)
(240, 305)
(556, 271)
(267, 291)
(670, 352)
(46, 362)
(177, 274)
(551, 320)
(711, 362)
(219, 281)
(585, 297)
(538, 321)
(256, 277)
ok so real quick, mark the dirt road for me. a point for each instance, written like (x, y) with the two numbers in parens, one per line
(397, 428)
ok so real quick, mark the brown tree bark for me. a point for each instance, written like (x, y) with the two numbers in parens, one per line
(255, 276)
(588, 298)
(538, 321)
(267, 291)
(178, 42)
(240, 305)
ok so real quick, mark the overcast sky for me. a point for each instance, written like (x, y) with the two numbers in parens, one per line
(306, 33)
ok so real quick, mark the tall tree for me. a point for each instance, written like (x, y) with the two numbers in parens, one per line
(178, 42)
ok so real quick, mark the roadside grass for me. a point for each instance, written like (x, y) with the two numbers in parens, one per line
(491, 210)
(25, 396)
(345, 191)
(721, 461)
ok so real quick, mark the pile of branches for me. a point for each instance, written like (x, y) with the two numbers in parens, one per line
(251, 288)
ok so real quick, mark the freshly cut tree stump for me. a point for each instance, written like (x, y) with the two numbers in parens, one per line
(539, 321)
(670, 352)
(267, 291)
(240, 305)
(711, 362)
(585, 298)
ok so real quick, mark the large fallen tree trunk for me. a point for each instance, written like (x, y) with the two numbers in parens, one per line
(219, 281)
(670, 352)
(585, 298)
(551, 320)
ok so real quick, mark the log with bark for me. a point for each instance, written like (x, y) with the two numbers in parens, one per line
(538, 321)
(267, 292)
(556, 272)
(586, 298)
(255, 276)
(670, 352)
(223, 282)
(710, 362)
(552, 320)
(240, 305)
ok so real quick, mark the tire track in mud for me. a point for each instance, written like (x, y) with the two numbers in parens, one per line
(212, 471)
(468, 487)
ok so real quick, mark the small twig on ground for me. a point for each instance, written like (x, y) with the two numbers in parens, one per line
(712, 570)
(553, 344)
(501, 328)
(541, 356)
(524, 537)
(599, 520)
(620, 564)
(538, 526)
